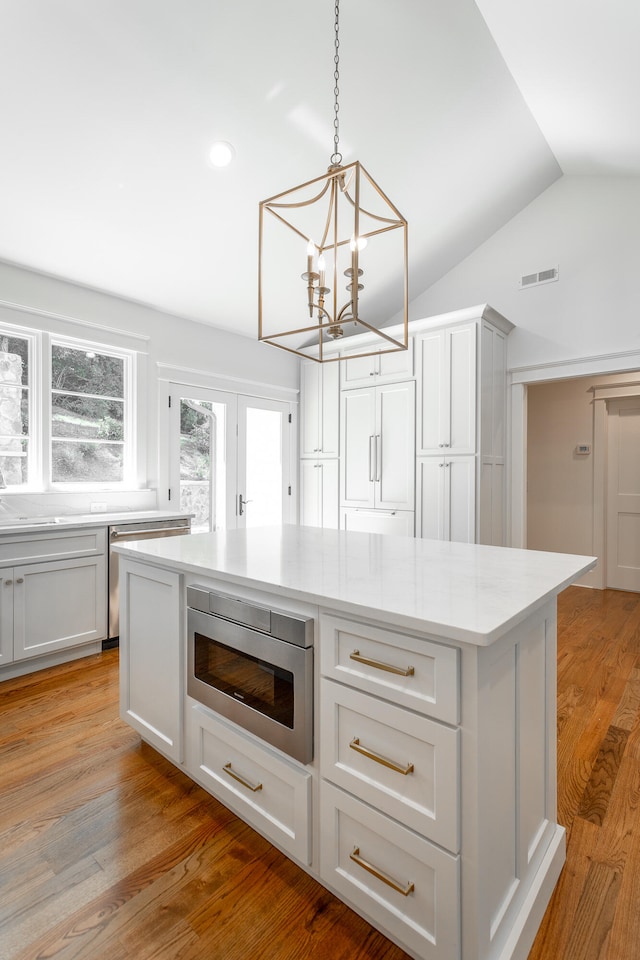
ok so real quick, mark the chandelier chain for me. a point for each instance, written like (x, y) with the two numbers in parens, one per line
(336, 157)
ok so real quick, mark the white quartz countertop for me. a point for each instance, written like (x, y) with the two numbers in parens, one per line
(457, 591)
(14, 523)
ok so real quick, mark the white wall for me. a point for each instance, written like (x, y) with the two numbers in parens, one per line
(587, 226)
(33, 300)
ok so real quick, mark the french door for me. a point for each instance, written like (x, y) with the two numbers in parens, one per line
(230, 458)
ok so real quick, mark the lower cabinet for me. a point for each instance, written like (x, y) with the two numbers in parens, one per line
(53, 595)
(406, 886)
(319, 481)
(446, 499)
(398, 522)
(260, 785)
(152, 673)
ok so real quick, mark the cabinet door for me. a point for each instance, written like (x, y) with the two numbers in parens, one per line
(385, 367)
(310, 386)
(152, 639)
(357, 441)
(330, 410)
(6, 615)
(394, 468)
(320, 413)
(446, 361)
(397, 522)
(59, 604)
(446, 499)
(319, 494)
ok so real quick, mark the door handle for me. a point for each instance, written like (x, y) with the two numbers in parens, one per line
(372, 475)
(378, 458)
(242, 504)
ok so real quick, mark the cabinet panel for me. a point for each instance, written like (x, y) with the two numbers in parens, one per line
(320, 409)
(59, 604)
(357, 448)
(395, 449)
(399, 523)
(29, 547)
(319, 493)
(384, 367)
(413, 673)
(447, 391)
(152, 673)
(446, 499)
(263, 788)
(419, 903)
(378, 447)
(6, 616)
(399, 762)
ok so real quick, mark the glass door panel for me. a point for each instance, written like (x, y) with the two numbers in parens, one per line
(263, 463)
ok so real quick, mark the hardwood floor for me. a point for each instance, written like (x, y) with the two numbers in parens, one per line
(107, 851)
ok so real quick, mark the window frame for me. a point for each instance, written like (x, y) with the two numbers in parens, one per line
(128, 423)
(39, 444)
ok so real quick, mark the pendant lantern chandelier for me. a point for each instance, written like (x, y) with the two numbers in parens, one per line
(350, 237)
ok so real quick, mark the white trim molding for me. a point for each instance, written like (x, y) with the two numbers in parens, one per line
(193, 377)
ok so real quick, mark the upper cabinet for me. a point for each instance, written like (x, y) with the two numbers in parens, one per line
(379, 368)
(320, 414)
(446, 369)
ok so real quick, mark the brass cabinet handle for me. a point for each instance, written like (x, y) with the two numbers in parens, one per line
(379, 665)
(245, 783)
(372, 755)
(380, 874)
(20, 580)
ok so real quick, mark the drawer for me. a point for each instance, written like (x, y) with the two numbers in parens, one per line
(405, 886)
(418, 674)
(404, 764)
(55, 545)
(264, 789)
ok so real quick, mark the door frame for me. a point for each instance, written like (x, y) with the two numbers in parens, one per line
(173, 379)
(518, 380)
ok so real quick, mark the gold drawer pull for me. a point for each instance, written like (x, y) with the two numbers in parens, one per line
(409, 672)
(236, 776)
(355, 745)
(380, 874)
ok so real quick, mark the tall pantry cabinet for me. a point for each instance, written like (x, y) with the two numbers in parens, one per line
(461, 430)
(319, 443)
(414, 443)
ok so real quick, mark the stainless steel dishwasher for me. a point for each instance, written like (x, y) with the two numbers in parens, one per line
(120, 533)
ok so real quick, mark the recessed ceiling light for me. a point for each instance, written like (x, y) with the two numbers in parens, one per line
(221, 153)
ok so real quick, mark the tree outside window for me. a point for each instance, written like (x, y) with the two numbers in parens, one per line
(87, 416)
(14, 410)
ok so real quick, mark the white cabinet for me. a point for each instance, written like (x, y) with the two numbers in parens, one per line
(461, 446)
(446, 364)
(152, 672)
(57, 605)
(261, 786)
(446, 498)
(379, 367)
(319, 495)
(400, 523)
(390, 782)
(377, 447)
(320, 409)
(53, 593)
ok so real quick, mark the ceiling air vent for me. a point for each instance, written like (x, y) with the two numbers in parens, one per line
(535, 279)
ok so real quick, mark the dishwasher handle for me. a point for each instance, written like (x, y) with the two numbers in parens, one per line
(141, 534)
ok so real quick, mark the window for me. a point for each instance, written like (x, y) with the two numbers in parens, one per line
(15, 355)
(87, 416)
(66, 412)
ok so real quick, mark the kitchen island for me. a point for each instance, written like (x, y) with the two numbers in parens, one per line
(430, 803)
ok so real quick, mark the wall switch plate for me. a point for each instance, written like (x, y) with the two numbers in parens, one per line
(583, 449)
(98, 506)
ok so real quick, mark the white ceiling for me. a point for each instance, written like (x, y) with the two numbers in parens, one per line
(108, 107)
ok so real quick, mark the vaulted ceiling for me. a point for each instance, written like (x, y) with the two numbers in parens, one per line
(462, 111)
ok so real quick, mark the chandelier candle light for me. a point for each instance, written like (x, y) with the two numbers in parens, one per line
(334, 218)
